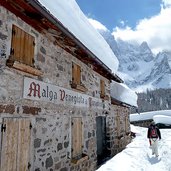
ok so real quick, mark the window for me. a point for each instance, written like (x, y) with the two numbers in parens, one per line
(22, 46)
(102, 89)
(76, 78)
(77, 140)
(22, 51)
(76, 74)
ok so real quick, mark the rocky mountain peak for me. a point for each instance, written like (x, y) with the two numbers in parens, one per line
(141, 67)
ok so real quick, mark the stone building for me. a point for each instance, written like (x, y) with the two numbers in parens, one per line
(122, 100)
(55, 101)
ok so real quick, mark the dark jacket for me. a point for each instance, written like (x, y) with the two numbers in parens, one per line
(149, 130)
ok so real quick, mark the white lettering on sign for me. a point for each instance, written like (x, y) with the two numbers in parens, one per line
(38, 90)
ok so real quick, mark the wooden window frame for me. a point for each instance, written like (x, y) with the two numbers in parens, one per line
(102, 90)
(77, 155)
(76, 78)
(22, 51)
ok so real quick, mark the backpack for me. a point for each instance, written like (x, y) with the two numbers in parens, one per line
(153, 132)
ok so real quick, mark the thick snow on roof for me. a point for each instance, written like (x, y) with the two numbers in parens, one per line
(162, 119)
(71, 16)
(121, 92)
(149, 115)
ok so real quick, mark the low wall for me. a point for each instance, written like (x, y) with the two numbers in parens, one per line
(142, 123)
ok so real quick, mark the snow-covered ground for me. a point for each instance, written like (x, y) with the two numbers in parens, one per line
(137, 155)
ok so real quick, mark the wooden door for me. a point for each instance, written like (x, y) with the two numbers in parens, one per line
(76, 137)
(101, 139)
(15, 144)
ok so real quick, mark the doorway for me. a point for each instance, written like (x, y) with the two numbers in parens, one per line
(101, 139)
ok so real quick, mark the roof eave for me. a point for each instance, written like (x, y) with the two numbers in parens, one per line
(56, 22)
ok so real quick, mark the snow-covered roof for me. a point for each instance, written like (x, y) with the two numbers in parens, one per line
(122, 93)
(72, 18)
(162, 119)
(149, 115)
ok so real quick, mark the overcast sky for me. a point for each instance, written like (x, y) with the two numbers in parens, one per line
(132, 20)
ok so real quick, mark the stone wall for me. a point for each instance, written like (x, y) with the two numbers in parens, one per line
(143, 123)
(119, 129)
(51, 123)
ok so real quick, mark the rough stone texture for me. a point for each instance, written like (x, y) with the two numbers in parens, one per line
(121, 127)
(142, 123)
(41, 58)
(49, 162)
(31, 110)
(37, 169)
(64, 169)
(2, 36)
(58, 166)
(37, 143)
(7, 109)
(66, 144)
(59, 146)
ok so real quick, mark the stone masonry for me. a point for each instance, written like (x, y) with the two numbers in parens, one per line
(51, 123)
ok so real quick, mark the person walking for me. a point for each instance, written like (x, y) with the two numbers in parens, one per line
(153, 134)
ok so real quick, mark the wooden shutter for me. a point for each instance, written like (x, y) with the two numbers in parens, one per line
(15, 144)
(24, 137)
(76, 137)
(118, 125)
(126, 123)
(9, 145)
(22, 46)
(102, 88)
(76, 74)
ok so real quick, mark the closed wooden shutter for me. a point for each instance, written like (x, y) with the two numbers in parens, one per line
(15, 144)
(76, 137)
(102, 88)
(9, 145)
(76, 74)
(118, 125)
(22, 46)
(23, 144)
(126, 123)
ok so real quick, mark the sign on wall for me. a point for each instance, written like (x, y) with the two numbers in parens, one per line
(41, 91)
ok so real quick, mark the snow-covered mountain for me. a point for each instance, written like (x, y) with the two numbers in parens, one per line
(138, 66)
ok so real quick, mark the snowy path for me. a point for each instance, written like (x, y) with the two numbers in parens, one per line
(137, 156)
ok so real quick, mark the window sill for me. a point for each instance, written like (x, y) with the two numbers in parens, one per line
(23, 67)
(82, 159)
(79, 87)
